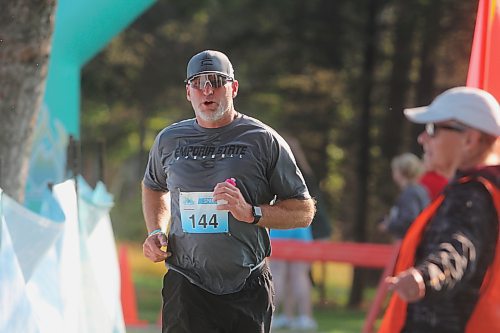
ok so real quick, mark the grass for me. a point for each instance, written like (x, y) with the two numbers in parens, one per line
(148, 291)
(329, 310)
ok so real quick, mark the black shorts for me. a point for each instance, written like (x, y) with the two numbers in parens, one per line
(188, 308)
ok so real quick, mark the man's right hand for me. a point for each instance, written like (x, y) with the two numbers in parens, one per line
(152, 247)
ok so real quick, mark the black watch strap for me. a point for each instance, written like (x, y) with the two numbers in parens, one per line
(257, 214)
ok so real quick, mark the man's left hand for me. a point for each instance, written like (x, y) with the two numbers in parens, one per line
(230, 198)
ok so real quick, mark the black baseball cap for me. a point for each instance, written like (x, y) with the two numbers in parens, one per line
(209, 61)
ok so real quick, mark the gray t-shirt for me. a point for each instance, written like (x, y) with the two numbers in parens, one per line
(187, 158)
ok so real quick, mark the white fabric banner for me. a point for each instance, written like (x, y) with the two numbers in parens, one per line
(59, 270)
(16, 313)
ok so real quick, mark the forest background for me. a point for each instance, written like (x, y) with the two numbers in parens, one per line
(334, 75)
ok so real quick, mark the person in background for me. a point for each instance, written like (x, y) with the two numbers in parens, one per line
(406, 171)
(446, 277)
(293, 280)
(222, 169)
(292, 283)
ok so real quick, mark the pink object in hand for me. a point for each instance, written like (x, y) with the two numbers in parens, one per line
(231, 181)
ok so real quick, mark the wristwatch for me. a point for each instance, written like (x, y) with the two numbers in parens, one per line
(257, 214)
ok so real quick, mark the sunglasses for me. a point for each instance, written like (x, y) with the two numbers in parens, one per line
(215, 81)
(431, 128)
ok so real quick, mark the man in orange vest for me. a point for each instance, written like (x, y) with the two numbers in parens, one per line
(447, 276)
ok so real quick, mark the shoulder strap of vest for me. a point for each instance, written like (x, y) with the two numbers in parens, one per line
(395, 314)
(485, 315)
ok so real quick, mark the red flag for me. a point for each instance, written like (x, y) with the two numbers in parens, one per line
(484, 66)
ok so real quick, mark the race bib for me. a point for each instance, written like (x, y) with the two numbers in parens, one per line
(199, 213)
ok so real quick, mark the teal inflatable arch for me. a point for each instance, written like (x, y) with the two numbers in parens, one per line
(82, 28)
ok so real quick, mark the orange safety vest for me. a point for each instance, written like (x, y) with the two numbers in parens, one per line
(486, 314)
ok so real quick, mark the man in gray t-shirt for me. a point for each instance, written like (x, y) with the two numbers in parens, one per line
(212, 180)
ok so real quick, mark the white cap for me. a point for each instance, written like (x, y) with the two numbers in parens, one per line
(472, 107)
